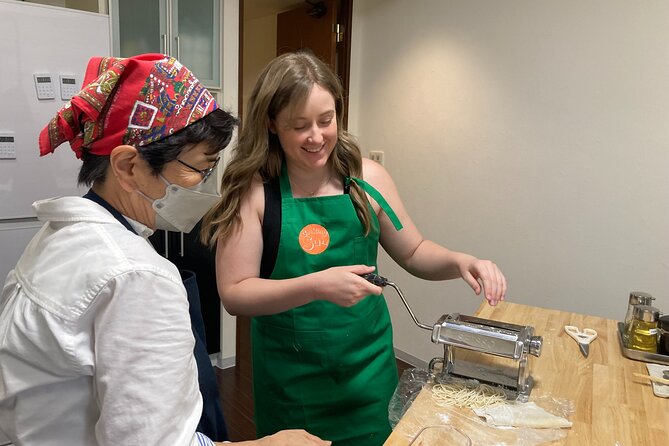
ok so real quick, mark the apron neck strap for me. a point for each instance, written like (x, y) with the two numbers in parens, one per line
(286, 193)
(284, 182)
(376, 195)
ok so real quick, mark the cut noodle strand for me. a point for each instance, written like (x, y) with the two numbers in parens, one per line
(462, 396)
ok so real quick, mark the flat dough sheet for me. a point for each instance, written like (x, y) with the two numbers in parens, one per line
(521, 415)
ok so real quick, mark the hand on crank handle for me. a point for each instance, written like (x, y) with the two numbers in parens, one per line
(375, 279)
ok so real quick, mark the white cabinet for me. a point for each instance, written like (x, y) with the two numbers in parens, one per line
(186, 29)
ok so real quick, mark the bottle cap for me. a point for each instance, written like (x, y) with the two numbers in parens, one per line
(646, 313)
(640, 298)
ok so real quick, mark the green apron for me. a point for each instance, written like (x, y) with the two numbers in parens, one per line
(321, 367)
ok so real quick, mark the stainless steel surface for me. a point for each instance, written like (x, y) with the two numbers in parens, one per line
(636, 298)
(535, 345)
(639, 355)
(640, 298)
(506, 378)
(474, 334)
(486, 336)
(585, 348)
(646, 313)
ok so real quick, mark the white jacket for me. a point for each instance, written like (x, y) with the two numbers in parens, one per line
(96, 346)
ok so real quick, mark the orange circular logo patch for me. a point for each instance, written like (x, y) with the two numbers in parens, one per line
(314, 239)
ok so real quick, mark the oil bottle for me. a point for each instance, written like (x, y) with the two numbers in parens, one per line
(643, 329)
(636, 298)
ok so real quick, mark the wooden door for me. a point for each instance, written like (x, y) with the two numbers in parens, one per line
(312, 25)
(324, 28)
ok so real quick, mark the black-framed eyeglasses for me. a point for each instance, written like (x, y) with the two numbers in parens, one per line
(204, 172)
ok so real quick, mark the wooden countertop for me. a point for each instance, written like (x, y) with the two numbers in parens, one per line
(612, 406)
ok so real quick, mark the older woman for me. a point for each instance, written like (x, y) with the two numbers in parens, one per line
(96, 345)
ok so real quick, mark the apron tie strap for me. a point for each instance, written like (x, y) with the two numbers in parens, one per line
(376, 195)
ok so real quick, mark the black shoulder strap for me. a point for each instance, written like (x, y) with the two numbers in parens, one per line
(271, 227)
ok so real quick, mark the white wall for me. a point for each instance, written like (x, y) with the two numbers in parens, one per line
(24, 28)
(530, 132)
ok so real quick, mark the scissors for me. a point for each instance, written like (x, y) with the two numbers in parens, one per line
(584, 338)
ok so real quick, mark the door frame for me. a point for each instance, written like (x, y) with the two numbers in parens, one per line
(345, 19)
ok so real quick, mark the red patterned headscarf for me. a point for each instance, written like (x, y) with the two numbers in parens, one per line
(134, 101)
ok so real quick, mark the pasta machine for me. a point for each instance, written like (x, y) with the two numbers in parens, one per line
(457, 331)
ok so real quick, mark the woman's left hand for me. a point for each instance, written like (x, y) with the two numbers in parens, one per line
(477, 272)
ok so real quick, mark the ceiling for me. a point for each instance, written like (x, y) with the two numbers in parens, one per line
(254, 9)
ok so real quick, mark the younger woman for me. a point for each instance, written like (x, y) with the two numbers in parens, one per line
(300, 221)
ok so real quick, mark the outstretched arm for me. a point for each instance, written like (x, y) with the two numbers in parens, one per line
(244, 293)
(424, 258)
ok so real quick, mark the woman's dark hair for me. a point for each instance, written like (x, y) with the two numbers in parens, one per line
(216, 129)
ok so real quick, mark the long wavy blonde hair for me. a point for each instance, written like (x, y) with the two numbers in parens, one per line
(285, 82)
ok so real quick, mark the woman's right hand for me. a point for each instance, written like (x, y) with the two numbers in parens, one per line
(342, 285)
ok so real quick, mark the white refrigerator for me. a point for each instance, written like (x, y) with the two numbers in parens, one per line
(43, 55)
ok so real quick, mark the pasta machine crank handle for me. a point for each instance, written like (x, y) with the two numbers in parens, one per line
(382, 282)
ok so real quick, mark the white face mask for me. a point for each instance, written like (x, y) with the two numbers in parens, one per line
(181, 208)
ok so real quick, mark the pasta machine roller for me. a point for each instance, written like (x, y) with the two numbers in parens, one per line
(457, 331)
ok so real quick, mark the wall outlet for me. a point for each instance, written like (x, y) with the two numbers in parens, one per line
(376, 155)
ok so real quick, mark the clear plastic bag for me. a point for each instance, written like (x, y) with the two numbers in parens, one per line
(411, 410)
(440, 435)
(411, 383)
